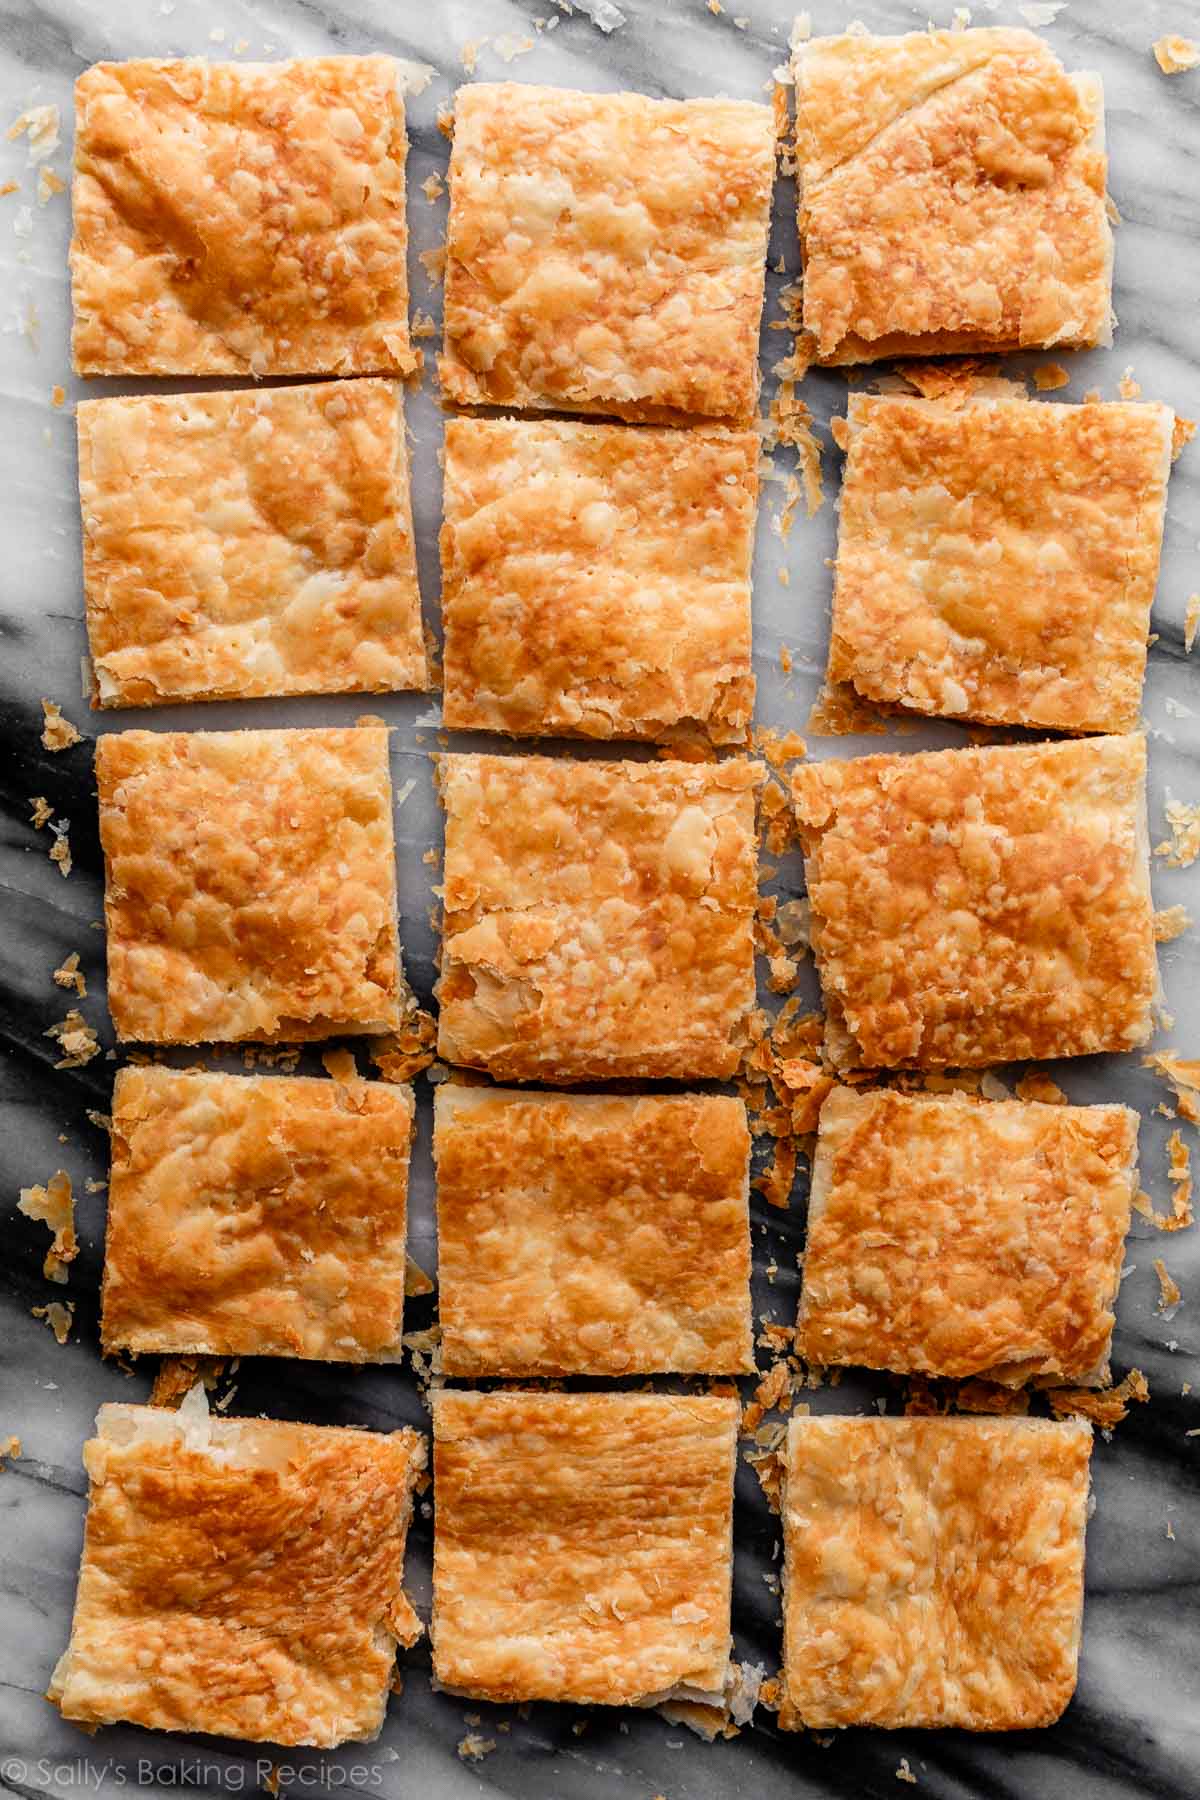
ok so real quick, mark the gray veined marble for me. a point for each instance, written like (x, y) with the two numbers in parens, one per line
(1134, 1727)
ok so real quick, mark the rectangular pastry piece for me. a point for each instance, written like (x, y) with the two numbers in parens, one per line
(583, 1545)
(997, 560)
(239, 544)
(256, 1216)
(933, 1571)
(606, 252)
(250, 884)
(240, 1577)
(983, 905)
(583, 1234)
(240, 219)
(957, 1237)
(952, 196)
(596, 579)
(598, 917)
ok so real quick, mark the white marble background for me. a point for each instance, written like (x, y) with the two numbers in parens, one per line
(1133, 1729)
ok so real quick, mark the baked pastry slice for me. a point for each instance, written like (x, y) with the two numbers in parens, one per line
(583, 1545)
(250, 884)
(997, 560)
(952, 196)
(598, 917)
(606, 252)
(584, 1234)
(596, 579)
(240, 1577)
(957, 1237)
(240, 219)
(256, 1216)
(238, 544)
(933, 1571)
(982, 905)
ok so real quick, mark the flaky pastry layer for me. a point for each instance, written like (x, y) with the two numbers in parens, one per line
(982, 905)
(596, 579)
(583, 1544)
(588, 1234)
(598, 917)
(240, 1577)
(250, 884)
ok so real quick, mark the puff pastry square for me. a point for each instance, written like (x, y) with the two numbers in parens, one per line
(250, 543)
(256, 1216)
(240, 1577)
(983, 905)
(250, 884)
(933, 1571)
(583, 1234)
(240, 219)
(997, 561)
(596, 579)
(598, 917)
(606, 252)
(583, 1545)
(957, 1237)
(952, 196)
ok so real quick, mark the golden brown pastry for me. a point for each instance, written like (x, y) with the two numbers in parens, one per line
(956, 1237)
(606, 252)
(598, 917)
(592, 1234)
(596, 579)
(240, 219)
(998, 560)
(240, 1577)
(237, 544)
(933, 1571)
(256, 1216)
(951, 196)
(250, 884)
(983, 905)
(583, 1545)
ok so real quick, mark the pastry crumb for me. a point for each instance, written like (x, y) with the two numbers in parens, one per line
(1105, 1407)
(1183, 846)
(904, 1773)
(1049, 377)
(76, 1039)
(1127, 387)
(54, 1206)
(69, 975)
(416, 1281)
(1170, 922)
(40, 125)
(1169, 1293)
(59, 1315)
(57, 733)
(434, 264)
(42, 811)
(433, 187)
(49, 183)
(340, 1064)
(1191, 622)
(60, 849)
(10, 1447)
(1036, 1086)
(1173, 54)
(403, 1054)
(473, 1747)
(1183, 432)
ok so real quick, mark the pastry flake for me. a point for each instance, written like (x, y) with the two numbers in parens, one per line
(592, 1235)
(598, 917)
(997, 561)
(583, 1545)
(256, 1216)
(933, 1571)
(240, 544)
(596, 579)
(982, 905)
(250, 884)
(240, 1577)
(606, 252)
(954, 1237)
(952, 196)
(240, 219)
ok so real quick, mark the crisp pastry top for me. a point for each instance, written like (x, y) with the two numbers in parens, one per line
(592, 1234)
(237, 544)
(606, 252)
(583, 1544)
(952, 195)
(250, 884)
(256, 1216)
(998, 560)
(240, 219)
(596, 578)
(933, 1571)
(982, 905)
(240, 1577)
(598, 916)
(957, 1237)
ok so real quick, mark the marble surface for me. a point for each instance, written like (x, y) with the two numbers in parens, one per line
(1133, 1727)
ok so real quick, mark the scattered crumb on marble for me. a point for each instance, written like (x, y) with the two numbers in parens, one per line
(42, 811)
(54, 1206)
(49, 183)
(1050, 376)
(1036, 1086)
(904, 1773)
(60, 849)
(1174, 55)
(1183, 822)
(1191, 622)
(1105, 1407)
(403, 1054)
(9, 1447)
(1170, 922)
(1169, 1294)
(40, 125)
(57, 733)
(434, 264)
(58, 1315)
(433, 187)
(76, 1039)
(838, 711)
(1183, 433)
(416, 1281)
